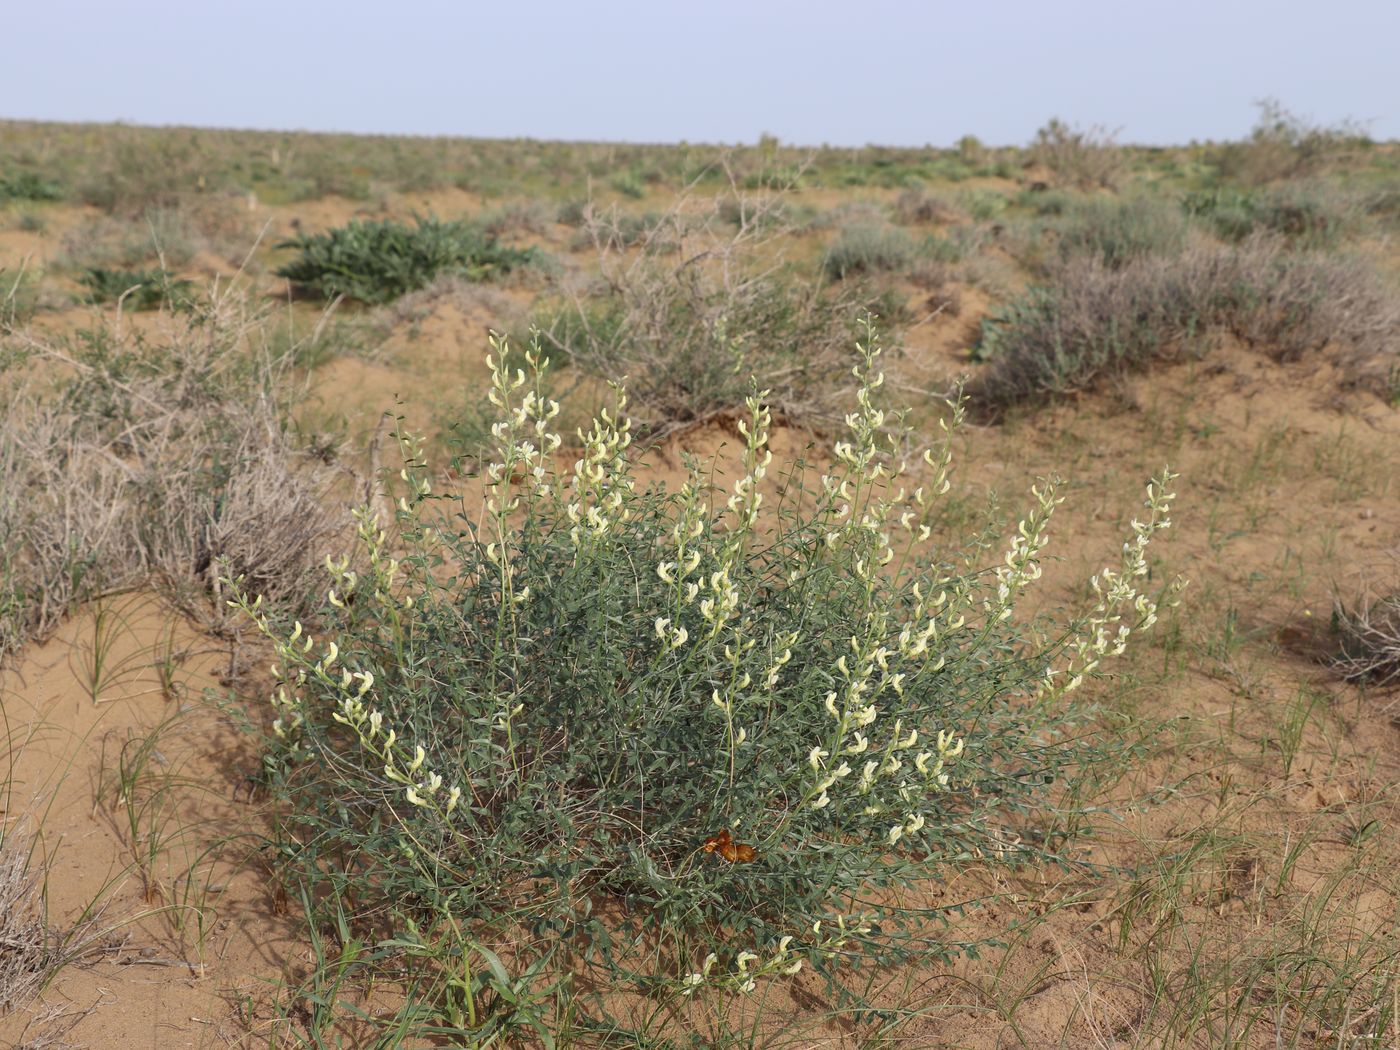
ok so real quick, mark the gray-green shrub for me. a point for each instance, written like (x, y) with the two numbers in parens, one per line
(680, 738)
(1090, 319)
(869, 249)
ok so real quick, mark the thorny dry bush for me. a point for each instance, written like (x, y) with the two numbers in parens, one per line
(1086, 159)
(699, 300)
(126, 459)
(1370, 637)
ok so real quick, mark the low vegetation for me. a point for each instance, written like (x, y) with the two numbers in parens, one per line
(135, 289)
(376, 262)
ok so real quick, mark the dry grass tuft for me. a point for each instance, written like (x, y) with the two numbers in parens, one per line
(31, 950)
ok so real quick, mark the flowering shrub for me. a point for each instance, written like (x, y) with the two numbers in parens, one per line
(679, 737)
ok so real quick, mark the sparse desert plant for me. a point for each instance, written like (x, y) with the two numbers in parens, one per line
(1082, 158)
(135, 171)
(19, 294)
(166, 235)
(920, 207)
(516, 217)
(1369, 633)
(689, 324)
(376, 262)
(679, 737)
(1284, 145)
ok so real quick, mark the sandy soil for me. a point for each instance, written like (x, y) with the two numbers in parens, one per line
(141, 787)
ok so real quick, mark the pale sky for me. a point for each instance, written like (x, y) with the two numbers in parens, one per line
(808, 71)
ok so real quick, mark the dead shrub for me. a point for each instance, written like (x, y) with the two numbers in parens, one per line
(1283, 145)
(32, 950)
(1084, 158)
(916, 207)
(1370, 639)
(155, 459)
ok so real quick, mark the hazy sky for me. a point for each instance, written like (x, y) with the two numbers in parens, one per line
(814, 71)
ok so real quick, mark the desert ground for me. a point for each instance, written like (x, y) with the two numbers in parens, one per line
(206, 357)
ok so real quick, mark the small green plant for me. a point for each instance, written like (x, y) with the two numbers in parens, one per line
(704, 731)
(136, 289)
(629, 184)
(28, 186)
(376, 262)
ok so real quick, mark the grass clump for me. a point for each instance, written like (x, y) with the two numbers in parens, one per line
(870, 249)
(376, 262)
(1117, 231)
(135, 289)
(19, 295)
(677, 738)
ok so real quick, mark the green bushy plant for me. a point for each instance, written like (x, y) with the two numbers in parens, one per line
(135, 289)
(679, 738)
(1307, 216)
(629, 184)
(28, 186)
(376, 262)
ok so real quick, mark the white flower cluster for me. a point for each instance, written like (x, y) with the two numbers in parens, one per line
(602, 476)
(297, 664)
(869, 765)
(524, 443)
(1106, 632)
(750, 967)
(1020, 564)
